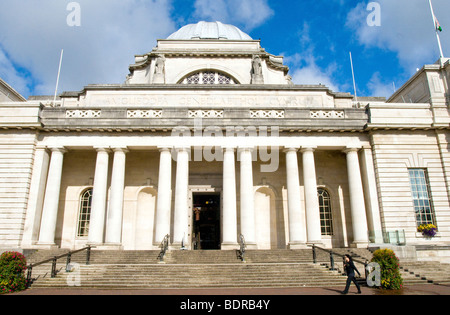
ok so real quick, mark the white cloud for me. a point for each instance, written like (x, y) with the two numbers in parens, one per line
(99, 51)
(378, 87)
(304, 67)
(406, 29)
(248, 14)
(310, 73)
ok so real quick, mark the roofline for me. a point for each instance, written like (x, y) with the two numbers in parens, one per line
(9, 87)
(240, 87)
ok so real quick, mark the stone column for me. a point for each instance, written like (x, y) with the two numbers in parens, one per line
(115, 213)
(164, 201)
(51, 201)
(311, 200)
(371, 194)
(229, 220)
(297, 227)
(98, 210)
(358, 209)
(180, 229)
(247, 197)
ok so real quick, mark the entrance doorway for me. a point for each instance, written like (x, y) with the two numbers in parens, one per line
(206, 221)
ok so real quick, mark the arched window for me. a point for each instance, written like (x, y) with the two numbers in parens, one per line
(326, 219)
(208, 77)
(85, 213)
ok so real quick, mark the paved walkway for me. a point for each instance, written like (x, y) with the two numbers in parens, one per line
(429, 289)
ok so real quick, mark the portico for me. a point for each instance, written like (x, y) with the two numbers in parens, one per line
(284, 201)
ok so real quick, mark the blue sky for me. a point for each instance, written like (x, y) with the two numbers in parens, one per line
(314, 36)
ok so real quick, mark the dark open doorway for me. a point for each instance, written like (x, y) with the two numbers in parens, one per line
(206, 221)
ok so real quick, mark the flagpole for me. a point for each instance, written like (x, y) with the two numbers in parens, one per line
(436, 30)
(57, 79)
(353, 75)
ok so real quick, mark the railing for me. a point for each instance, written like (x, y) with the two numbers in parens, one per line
(332, 254)
(241, 250)
(164, 247)
(54, 261)
(395, 237)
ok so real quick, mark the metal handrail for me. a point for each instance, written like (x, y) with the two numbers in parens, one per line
(164, 247)
(314, 247)
(241, 250)
(54, 261)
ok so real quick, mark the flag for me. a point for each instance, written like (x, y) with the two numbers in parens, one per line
(438, 26)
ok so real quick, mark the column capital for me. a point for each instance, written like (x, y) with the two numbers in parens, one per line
(308, 149)
(182, 148)
(351, 149)
(102, 149)
(165, 148)
(291, 149)
(245, 149)
(41, 148)
(58, 149)
(120, 149)
(229, 148)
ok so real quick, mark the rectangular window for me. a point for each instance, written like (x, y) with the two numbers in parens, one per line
(420, 187)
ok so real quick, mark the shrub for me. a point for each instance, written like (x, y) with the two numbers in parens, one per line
(12, 272)
(390, 269)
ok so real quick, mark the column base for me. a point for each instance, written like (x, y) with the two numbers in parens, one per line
(94, 245)
(111, 246)
(229, 246)
(297, 245)
(360, 244)
(43, 245)
(177, 246)
(311, 243)
(251, 246)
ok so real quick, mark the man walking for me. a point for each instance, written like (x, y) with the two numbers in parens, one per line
(350, 269)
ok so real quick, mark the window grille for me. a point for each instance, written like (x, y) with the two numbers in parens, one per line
(85, 213)
(193, 79)
(208, 78)
(326, 219)
(421, 193)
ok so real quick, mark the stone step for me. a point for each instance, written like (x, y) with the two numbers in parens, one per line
(428, 271)
(187, 269)
(206, 275)
(184, 269)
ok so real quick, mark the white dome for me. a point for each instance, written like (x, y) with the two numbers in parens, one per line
(209, 30)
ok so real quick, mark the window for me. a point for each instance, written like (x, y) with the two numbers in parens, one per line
(420, 188)
(326, 220)
(208, 78)
(85, 213)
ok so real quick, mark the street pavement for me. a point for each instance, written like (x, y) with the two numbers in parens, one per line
(428, 289)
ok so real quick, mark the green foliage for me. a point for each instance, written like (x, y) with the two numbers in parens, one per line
(390, 269)
(12, 272)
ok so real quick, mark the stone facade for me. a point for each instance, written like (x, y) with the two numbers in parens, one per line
(208, 139)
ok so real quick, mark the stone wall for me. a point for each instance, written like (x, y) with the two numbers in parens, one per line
(16, 162)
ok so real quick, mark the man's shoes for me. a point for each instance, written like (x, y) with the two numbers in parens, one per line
(343, 292)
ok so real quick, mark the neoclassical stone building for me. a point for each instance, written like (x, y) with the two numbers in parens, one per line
(208, 139)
